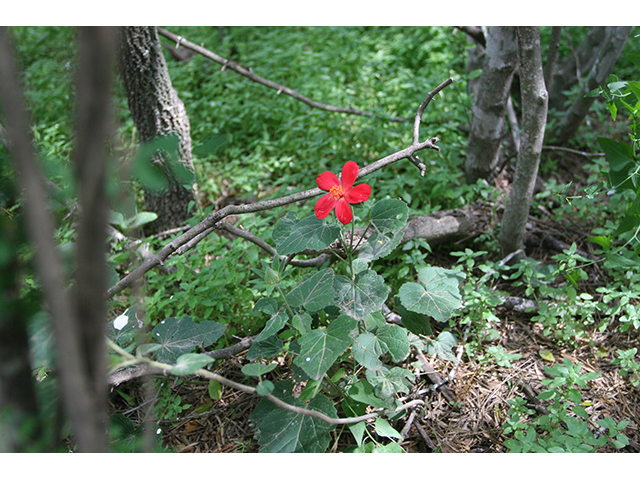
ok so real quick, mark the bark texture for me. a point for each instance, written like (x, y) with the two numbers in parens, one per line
(602, 65)
(156, 110)
(534, 118)
(488, 112)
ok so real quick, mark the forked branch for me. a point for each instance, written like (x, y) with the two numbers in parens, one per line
(197, 233)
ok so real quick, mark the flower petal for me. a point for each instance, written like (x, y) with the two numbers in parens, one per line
(358, 194)
(343, 211)
(324, 205)
(349, 174)
(327, 180)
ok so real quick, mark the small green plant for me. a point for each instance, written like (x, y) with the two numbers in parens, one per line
(564, 426)
(628, 365)
(500, 356)
(168, 406)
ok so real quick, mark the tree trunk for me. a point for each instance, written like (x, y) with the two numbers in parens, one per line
(77, 322)
(602, 66)
(488, 112)
(575, 66)
(534, 117)
(156, 110)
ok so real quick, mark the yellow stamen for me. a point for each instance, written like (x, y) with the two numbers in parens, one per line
(336, 191)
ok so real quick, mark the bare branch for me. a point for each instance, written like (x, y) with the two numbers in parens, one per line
(158, 367)
(246, 72)
(195, 234)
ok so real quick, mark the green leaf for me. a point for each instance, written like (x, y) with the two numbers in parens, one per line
(268, 348)
(361, 296)
(388, 383)
(267, 305)
(367, 349)
(302, 323)
(215, 390)
(380, 244)
(257, 369)
(188, 363)
(621, 160)
(177, 337)
(396, 341)
(384, 429)
(273, 326)
(314, 293)
(264, 388)
(417, 323)
(310, 233)
(284, 226)
(283, 431)
(363, 392)
(437, 296)
(389, 215)
(443, 346)
(320, 348)
(602, 240)
(140, 219)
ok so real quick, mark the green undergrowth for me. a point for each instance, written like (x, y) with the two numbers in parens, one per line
(252, 143)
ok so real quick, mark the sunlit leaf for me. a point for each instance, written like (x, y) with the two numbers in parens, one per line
(188, 363)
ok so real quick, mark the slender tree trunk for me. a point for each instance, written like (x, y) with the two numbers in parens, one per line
(156, 110)
(552, 55)
(534, 117)
(575, 66)
(602, 67)
(78, 321)
(488, 112)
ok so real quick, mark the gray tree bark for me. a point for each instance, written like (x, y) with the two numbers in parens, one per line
(156, 110)
(488, 112)
(534, 118)
(77, 322)
(574, 67)
(616, 38)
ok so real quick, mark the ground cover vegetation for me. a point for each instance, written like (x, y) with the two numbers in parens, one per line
(383, 345)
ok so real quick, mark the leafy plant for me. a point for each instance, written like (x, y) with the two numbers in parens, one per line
(564, 427)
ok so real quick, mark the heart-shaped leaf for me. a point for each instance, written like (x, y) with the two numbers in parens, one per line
(389, 215)
(283, 431)
(179, 336)
(310, 233)
(437, 295)
(367, 349)
(314, 293)
(320, 348)
(396, 341)
(360, 296)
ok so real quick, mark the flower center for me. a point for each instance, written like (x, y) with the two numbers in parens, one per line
(336, 191)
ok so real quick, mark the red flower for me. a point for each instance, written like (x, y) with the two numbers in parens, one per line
(341, 194)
